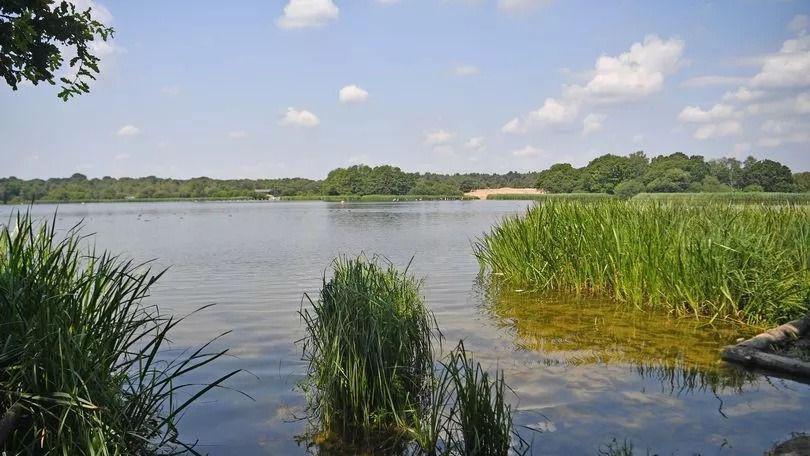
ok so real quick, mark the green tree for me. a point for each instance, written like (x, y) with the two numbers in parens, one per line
(802, 181)
(604, 173)
(560, 178)
(772, 176)
(34, 34)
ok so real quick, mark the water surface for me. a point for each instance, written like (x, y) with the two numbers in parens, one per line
(584, 371)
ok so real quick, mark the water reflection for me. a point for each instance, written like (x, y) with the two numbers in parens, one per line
(567, 330)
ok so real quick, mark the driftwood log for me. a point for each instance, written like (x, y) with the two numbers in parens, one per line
(758, 351)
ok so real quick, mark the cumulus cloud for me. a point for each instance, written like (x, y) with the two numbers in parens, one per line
(128, 130)
(122, 156)
(635, 73)
(714, 80)
(466, 70)
(696, 114)
(629, 76)
(743, 95)
(592, 123)
(528, 151)
(784, 131)
(237, 134)
(352, 94)
(790, 67)
(438, 137)
(299, 118)
(476, 143)
(97, 11)
(307, 13)
(718, 130)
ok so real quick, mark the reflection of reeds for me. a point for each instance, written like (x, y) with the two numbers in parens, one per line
(747, 263)
(80, 368)
(570, 330)
(373, 384)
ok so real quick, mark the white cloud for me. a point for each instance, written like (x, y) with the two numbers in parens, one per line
(743, 95)
(122, 156)
(553, 112)
(520, 6)
(790, 67)
(308, 13)
(476, 143)
(718, 130)
(633, 74)
(128, 130)
(352, 94)
(780, 132)
(717, 112)
(637, 138)
(97, 11)
(796, 104)
(592, 123)
(438, 137)
(466, 70)
(387, 2)
(630, 76)
(799, 24)
(528, 151)
(299, 118)
(714, 80)
(237, 134)
(513, 126)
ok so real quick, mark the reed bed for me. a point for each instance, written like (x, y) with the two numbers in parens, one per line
(744, 263)
(768, 198)
(585, 197)
(82, 368)
(374, 383)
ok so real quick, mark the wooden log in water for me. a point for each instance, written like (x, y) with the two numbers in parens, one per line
(779, 335)
(756, 351)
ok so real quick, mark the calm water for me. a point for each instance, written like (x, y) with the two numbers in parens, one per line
(584, 373)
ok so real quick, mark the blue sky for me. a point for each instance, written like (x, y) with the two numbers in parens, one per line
(298, 87)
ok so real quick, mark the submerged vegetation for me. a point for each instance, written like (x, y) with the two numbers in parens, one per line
(81, 357)
(374, 383)
(746, 263)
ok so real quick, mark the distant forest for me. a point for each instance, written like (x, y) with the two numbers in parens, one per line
(623, 175)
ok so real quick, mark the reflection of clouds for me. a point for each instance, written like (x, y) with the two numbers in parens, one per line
(764, 405)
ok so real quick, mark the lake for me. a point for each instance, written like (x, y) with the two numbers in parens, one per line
(584, 371)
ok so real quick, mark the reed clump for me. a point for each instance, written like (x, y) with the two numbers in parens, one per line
(745, 263)
(374, 383)
(81, 363)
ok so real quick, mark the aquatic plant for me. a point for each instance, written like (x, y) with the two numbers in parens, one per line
(553, 196)
(746, 263)
(727, 198)
(369, 351)
(373, 383)
(82, 369)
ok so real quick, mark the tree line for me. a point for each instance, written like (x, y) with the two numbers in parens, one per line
(674, 173)
(354, 180)
(623, 175)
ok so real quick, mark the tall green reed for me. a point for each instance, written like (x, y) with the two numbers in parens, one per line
(369, 351)
(82, 363)
(374, 383)
(746, 263)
